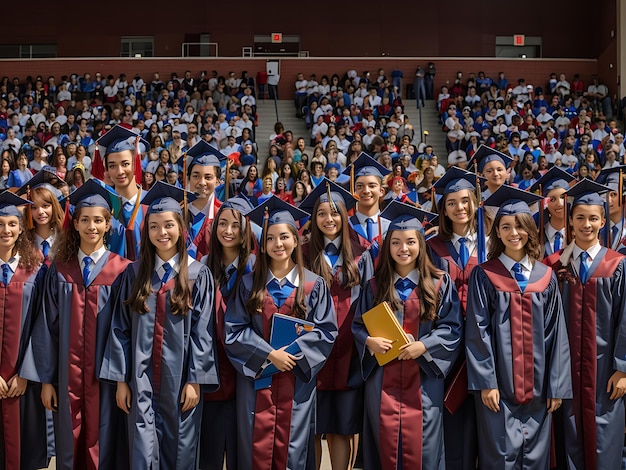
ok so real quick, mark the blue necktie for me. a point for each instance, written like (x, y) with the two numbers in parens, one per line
(86, 270)
(332, 252)
(404, 287)
(557, 241)
(128, 212)
(278, 293)
(584, 270)
(522, 282)
(45, 248)
(370, 229)
(463, 252)
(167, 268)
(6, 274)
(614, 234)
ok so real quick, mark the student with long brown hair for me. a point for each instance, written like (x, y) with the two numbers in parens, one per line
(276, 424)
(404, 398)
(334, 253)
(71, 331)
(518, 359)
(229, 258)
(160, 349)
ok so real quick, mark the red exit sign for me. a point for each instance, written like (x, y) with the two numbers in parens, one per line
(277, 37)
(518, 39)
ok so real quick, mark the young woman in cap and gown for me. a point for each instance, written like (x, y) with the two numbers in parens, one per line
(592, 280)
(160, 350)
(122, 160)
(493, 166)
(23, 442)
(516, 341)
(553, 186)
(71, 332)
(334, 253)
(276, 425)
(403, 425)
(455, 250)
(230, 258)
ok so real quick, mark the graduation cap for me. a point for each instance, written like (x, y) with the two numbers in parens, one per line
(203, 154)
(455, 179)
(45, 178)
(153, 166)
(511, 201)
(239, 203)
(276, 211)
(486, 154)
(586, 192)
(611, 177)
(93, 194)
(365, 165)
(119, 139)
(553, 179)
(407, 217)
(164, 197)
(9, 204)
(328, 191)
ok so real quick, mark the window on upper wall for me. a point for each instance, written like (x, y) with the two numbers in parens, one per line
(27, 51)
(137, 46)
(505, 47)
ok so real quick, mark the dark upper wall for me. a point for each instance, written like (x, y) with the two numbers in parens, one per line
(450, 28)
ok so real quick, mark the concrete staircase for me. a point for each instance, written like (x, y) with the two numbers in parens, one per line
(287, 115)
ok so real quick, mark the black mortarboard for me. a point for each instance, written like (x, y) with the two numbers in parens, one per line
(9, 204)
(406, 217)
(164, 197)
(455, 179)
(486, 154)
(511, 201)
(553, 179)
(337, 194)
(119, 139)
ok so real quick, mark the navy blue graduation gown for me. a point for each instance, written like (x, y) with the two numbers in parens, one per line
(157, 353)
(23, 437)
(123, 239)
(516, 343)
(459, 417)
(68, 341)
(403, 425)
(595, 313)
(276, 425)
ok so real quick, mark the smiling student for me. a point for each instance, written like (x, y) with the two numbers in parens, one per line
(122, 162)
(334, 253)
(516, 341)
(493, 166)
(71, 332)
(403, 425)
(592, 287)
(160, 350)
(276, 424)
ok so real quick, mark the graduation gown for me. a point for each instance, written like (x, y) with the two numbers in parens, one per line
(23, 437)
(516, 343)
(157, 353)
(596, 320)
(403, 425)
(123, 239)
(461, 453)
(200, 232)
(67, 346)
(276, 425)
(339, 383)
(218, 435)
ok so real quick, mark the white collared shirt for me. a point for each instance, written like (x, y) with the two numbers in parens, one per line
(592, 251)
(13, 262)
(291, 277)
(337, 243)
(173, 262)
(551, 234)
(39, 240)
(95, 257)
(470, 242)
(525, 263)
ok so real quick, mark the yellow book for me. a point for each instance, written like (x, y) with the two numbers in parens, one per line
(381, 321)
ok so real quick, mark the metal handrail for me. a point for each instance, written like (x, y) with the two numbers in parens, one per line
(185, 47)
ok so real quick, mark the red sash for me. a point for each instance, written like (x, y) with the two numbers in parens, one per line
(521, 318)
(10, 333)
(272, 411)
